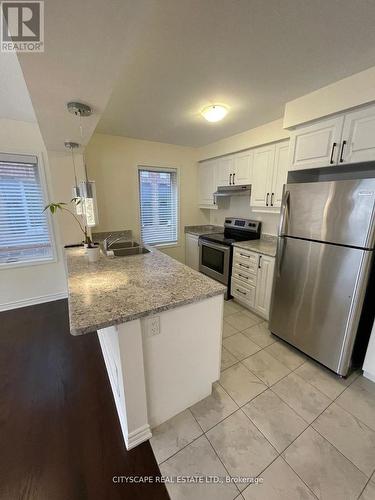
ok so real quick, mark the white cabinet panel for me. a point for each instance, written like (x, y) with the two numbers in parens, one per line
(264, 285)
(243, 293)
(316, 145)
(225, 169)
(252, 279)
(192, 251)
(359, 136)
(280, 172)
(262, 176)
(242, 167)
(207, 183)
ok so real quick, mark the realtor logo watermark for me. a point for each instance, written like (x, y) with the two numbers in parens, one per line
(22, 26)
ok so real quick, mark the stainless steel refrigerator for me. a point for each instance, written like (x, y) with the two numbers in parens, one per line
(321, 295)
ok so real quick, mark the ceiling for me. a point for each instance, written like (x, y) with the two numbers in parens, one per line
(86, 44)
(253, 55)
(147, 67)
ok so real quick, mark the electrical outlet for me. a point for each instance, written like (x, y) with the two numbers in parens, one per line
(153, 326)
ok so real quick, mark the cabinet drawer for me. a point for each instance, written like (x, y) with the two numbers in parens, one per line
(245, 255)
(247, 264)
(243, 292)
(243, 274)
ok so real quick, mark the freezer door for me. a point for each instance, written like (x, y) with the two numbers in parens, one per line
(339, 212)
(317, 299)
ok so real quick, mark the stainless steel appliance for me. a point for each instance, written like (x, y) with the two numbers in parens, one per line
(233, 190)
(324, 273)
(215, 250)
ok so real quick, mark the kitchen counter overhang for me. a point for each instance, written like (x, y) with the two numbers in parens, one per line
(121, 289)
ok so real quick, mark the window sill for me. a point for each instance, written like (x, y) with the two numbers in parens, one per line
(166, 245)
(27, 263)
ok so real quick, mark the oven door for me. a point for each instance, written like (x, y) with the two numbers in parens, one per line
(214, 260)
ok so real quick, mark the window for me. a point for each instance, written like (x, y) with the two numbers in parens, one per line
(158, 205)
(24, 230)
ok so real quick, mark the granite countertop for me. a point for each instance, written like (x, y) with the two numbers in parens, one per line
(266, 245)
(116, 290)
(204, 229)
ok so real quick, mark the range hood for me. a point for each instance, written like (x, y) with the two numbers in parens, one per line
(240, 190)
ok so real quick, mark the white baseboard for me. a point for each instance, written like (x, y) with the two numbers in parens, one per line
(138, 436)
(370, 376)
(32, 301)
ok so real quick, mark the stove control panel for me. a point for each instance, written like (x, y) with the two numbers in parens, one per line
(243, 224)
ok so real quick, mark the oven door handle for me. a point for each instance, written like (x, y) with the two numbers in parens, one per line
(215, 246)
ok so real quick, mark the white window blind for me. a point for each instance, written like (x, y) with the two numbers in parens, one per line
(24, 231)
(158, 205)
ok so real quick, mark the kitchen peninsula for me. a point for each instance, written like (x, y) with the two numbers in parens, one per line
(159, 325)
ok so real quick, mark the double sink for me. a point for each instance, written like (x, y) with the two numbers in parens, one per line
(124, 249)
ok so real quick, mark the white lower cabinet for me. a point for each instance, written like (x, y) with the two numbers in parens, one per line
(192, 251)
(264, 285)
(252, 277)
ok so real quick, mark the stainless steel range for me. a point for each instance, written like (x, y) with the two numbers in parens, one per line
(216, 250)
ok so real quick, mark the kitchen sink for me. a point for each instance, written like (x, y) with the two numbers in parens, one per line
(124, 249)
(124, 252)
(123, 244)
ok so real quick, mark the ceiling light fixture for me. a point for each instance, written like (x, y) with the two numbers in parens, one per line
(215, 112)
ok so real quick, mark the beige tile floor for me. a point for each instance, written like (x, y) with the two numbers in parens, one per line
(276, 415)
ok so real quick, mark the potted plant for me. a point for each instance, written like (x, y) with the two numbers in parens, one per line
(92, 248)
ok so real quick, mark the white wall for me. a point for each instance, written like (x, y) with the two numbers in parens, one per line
(37, 283)
(238, 206)
(369, 364)
(270, 132)
(112, 162)
(344, 94)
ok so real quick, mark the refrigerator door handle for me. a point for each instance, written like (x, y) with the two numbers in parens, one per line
(280, 254)
(284, 213)
(281, 231)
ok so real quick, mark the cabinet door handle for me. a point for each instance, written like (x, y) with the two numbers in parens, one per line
(272, 195)
(243, 293)
(244, 255)
(233, 178)
(332, 151)
(242, 276)
(342, 151)
(268, 195)
(230, 179)
(243, 265)
(259, 262)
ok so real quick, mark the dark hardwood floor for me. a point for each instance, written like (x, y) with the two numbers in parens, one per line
(60, 437)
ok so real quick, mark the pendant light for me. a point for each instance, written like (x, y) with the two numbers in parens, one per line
(87, 190)
(71, 146)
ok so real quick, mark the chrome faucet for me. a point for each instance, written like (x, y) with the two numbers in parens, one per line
(111, 239)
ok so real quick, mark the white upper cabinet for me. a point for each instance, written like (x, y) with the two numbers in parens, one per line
(316, 145)
(225, 169)
(207, 183)
(347, 138)
(358, 136)
(261, 186)
(233, 170)
(242, 167)
(280, 172)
